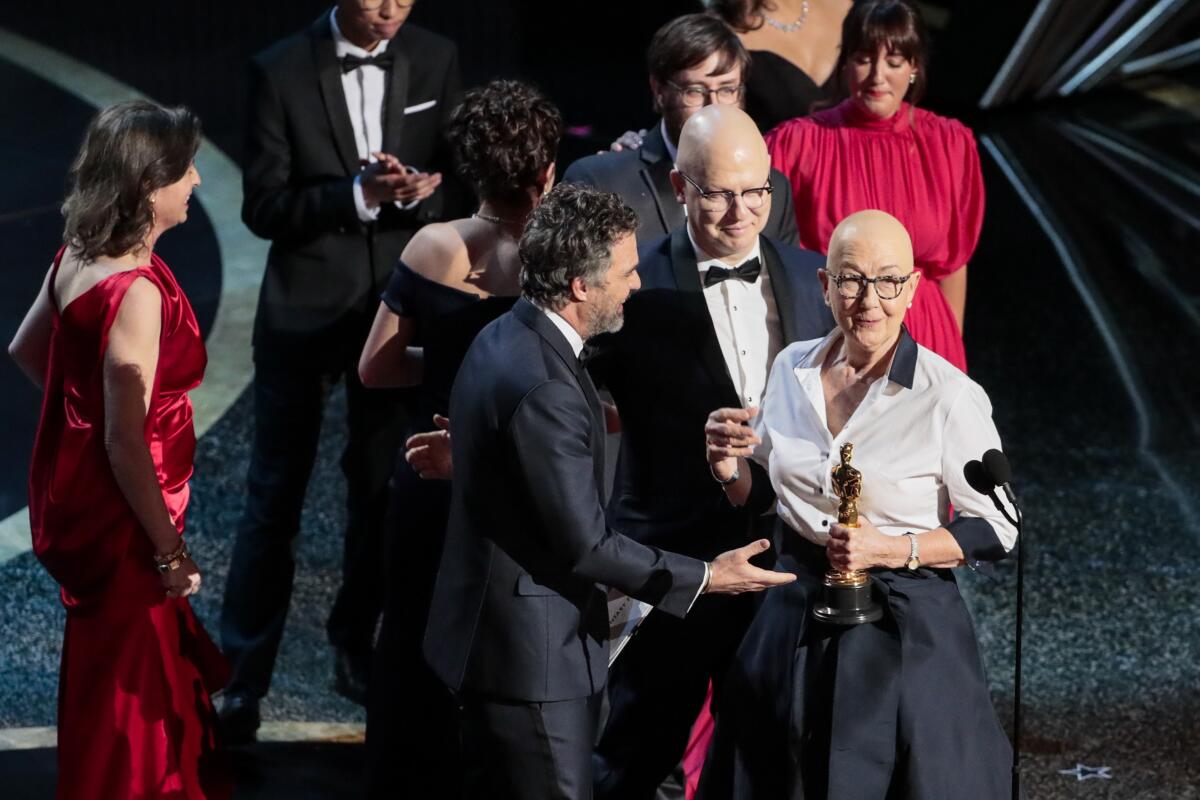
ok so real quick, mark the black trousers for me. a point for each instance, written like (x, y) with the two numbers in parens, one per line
(658, 684)
(656, 689)
(412, 718)
(289, 402)
(528, 751)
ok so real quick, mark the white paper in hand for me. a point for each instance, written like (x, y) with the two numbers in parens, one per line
(624, 616)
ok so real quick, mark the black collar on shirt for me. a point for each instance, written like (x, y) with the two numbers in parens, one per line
(904, 363)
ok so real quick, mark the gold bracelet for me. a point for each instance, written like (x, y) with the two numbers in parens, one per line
(174, 560)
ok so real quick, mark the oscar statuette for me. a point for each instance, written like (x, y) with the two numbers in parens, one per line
(846, 596)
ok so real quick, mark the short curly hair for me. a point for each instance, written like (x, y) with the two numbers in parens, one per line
(129, 150)
(571, 235)
(503, 135)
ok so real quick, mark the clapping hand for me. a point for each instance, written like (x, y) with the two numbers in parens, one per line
(429, 453)
(387, 180)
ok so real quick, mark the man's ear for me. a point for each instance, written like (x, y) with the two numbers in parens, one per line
(579, 290)
(823, 277)
(545, 178)
(655, 91)
(678, 184)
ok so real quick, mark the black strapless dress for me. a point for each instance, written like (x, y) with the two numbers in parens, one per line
(412, 730)
(777, 90)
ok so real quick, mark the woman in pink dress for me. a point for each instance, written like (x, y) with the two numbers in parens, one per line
(113, 341)
(876, 149)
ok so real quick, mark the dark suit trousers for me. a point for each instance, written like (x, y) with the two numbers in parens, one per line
(412, 718)
(289, 402)
(656, 689)
(529, 751)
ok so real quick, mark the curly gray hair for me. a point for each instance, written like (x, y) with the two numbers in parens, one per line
(571, 235)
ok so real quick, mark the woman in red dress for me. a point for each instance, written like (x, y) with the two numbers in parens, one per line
(876, 149)
(114, 343)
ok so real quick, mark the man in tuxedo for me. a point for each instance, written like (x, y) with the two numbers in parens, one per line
(518, 627)
(719, 299)
(695, 61)
(344, 163)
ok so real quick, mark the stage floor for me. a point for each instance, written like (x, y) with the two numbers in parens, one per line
(1083, 325)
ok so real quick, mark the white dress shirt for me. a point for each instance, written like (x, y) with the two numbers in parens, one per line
(912, 434)
(568, 330)
(364, 88)
(746, 320)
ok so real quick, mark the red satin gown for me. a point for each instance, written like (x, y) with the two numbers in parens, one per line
(919, 167)
(134, 715)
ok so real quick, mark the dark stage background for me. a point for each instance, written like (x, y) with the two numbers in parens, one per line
(589, 57)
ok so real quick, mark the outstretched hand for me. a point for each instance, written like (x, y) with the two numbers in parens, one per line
(429, 453)
(732, 572)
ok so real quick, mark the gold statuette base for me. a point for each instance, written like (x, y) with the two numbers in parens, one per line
(846, 599)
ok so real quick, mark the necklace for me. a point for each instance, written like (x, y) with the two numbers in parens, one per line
(492, 218)
(789, 27)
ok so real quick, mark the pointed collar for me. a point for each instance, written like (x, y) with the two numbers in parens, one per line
(904, 360)
(541, 324)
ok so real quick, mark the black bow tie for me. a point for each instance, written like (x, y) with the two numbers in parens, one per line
(748, 271)
(352, 62)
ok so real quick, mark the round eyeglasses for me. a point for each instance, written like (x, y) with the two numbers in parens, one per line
(887, 287)
(722, 201)
(694, 96)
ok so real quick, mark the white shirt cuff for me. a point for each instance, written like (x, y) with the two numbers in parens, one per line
(407, 207)
(365, 212)
(703, 586)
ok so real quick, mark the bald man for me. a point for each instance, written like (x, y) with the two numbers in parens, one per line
(695, 61)
(718, 301)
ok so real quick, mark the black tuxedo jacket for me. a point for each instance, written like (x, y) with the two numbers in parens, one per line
(666, 374)
(516, 611)
(325, 268)
(642, 179)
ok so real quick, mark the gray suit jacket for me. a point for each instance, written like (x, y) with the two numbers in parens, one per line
(642, 179)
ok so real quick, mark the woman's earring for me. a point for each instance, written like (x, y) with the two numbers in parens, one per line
(912, 78)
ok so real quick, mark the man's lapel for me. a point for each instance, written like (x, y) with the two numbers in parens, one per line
(699, 330)
(781, 288)
(397, 95)
(533, 317)
(329, 77)
(656, 174)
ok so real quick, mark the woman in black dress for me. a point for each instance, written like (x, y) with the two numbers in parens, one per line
(452, 279)
(793, 46)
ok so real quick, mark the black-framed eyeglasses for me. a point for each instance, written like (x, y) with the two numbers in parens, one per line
(695, 95)
(721, 201)
(887, 287)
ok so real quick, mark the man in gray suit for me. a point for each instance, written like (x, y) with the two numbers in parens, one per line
(694, 61)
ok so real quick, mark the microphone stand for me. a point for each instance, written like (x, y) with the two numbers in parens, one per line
(1020, 626)
(1016, 766)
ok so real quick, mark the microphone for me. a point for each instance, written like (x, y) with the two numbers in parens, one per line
(978, 478)
(984, 476)
(999, 472)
